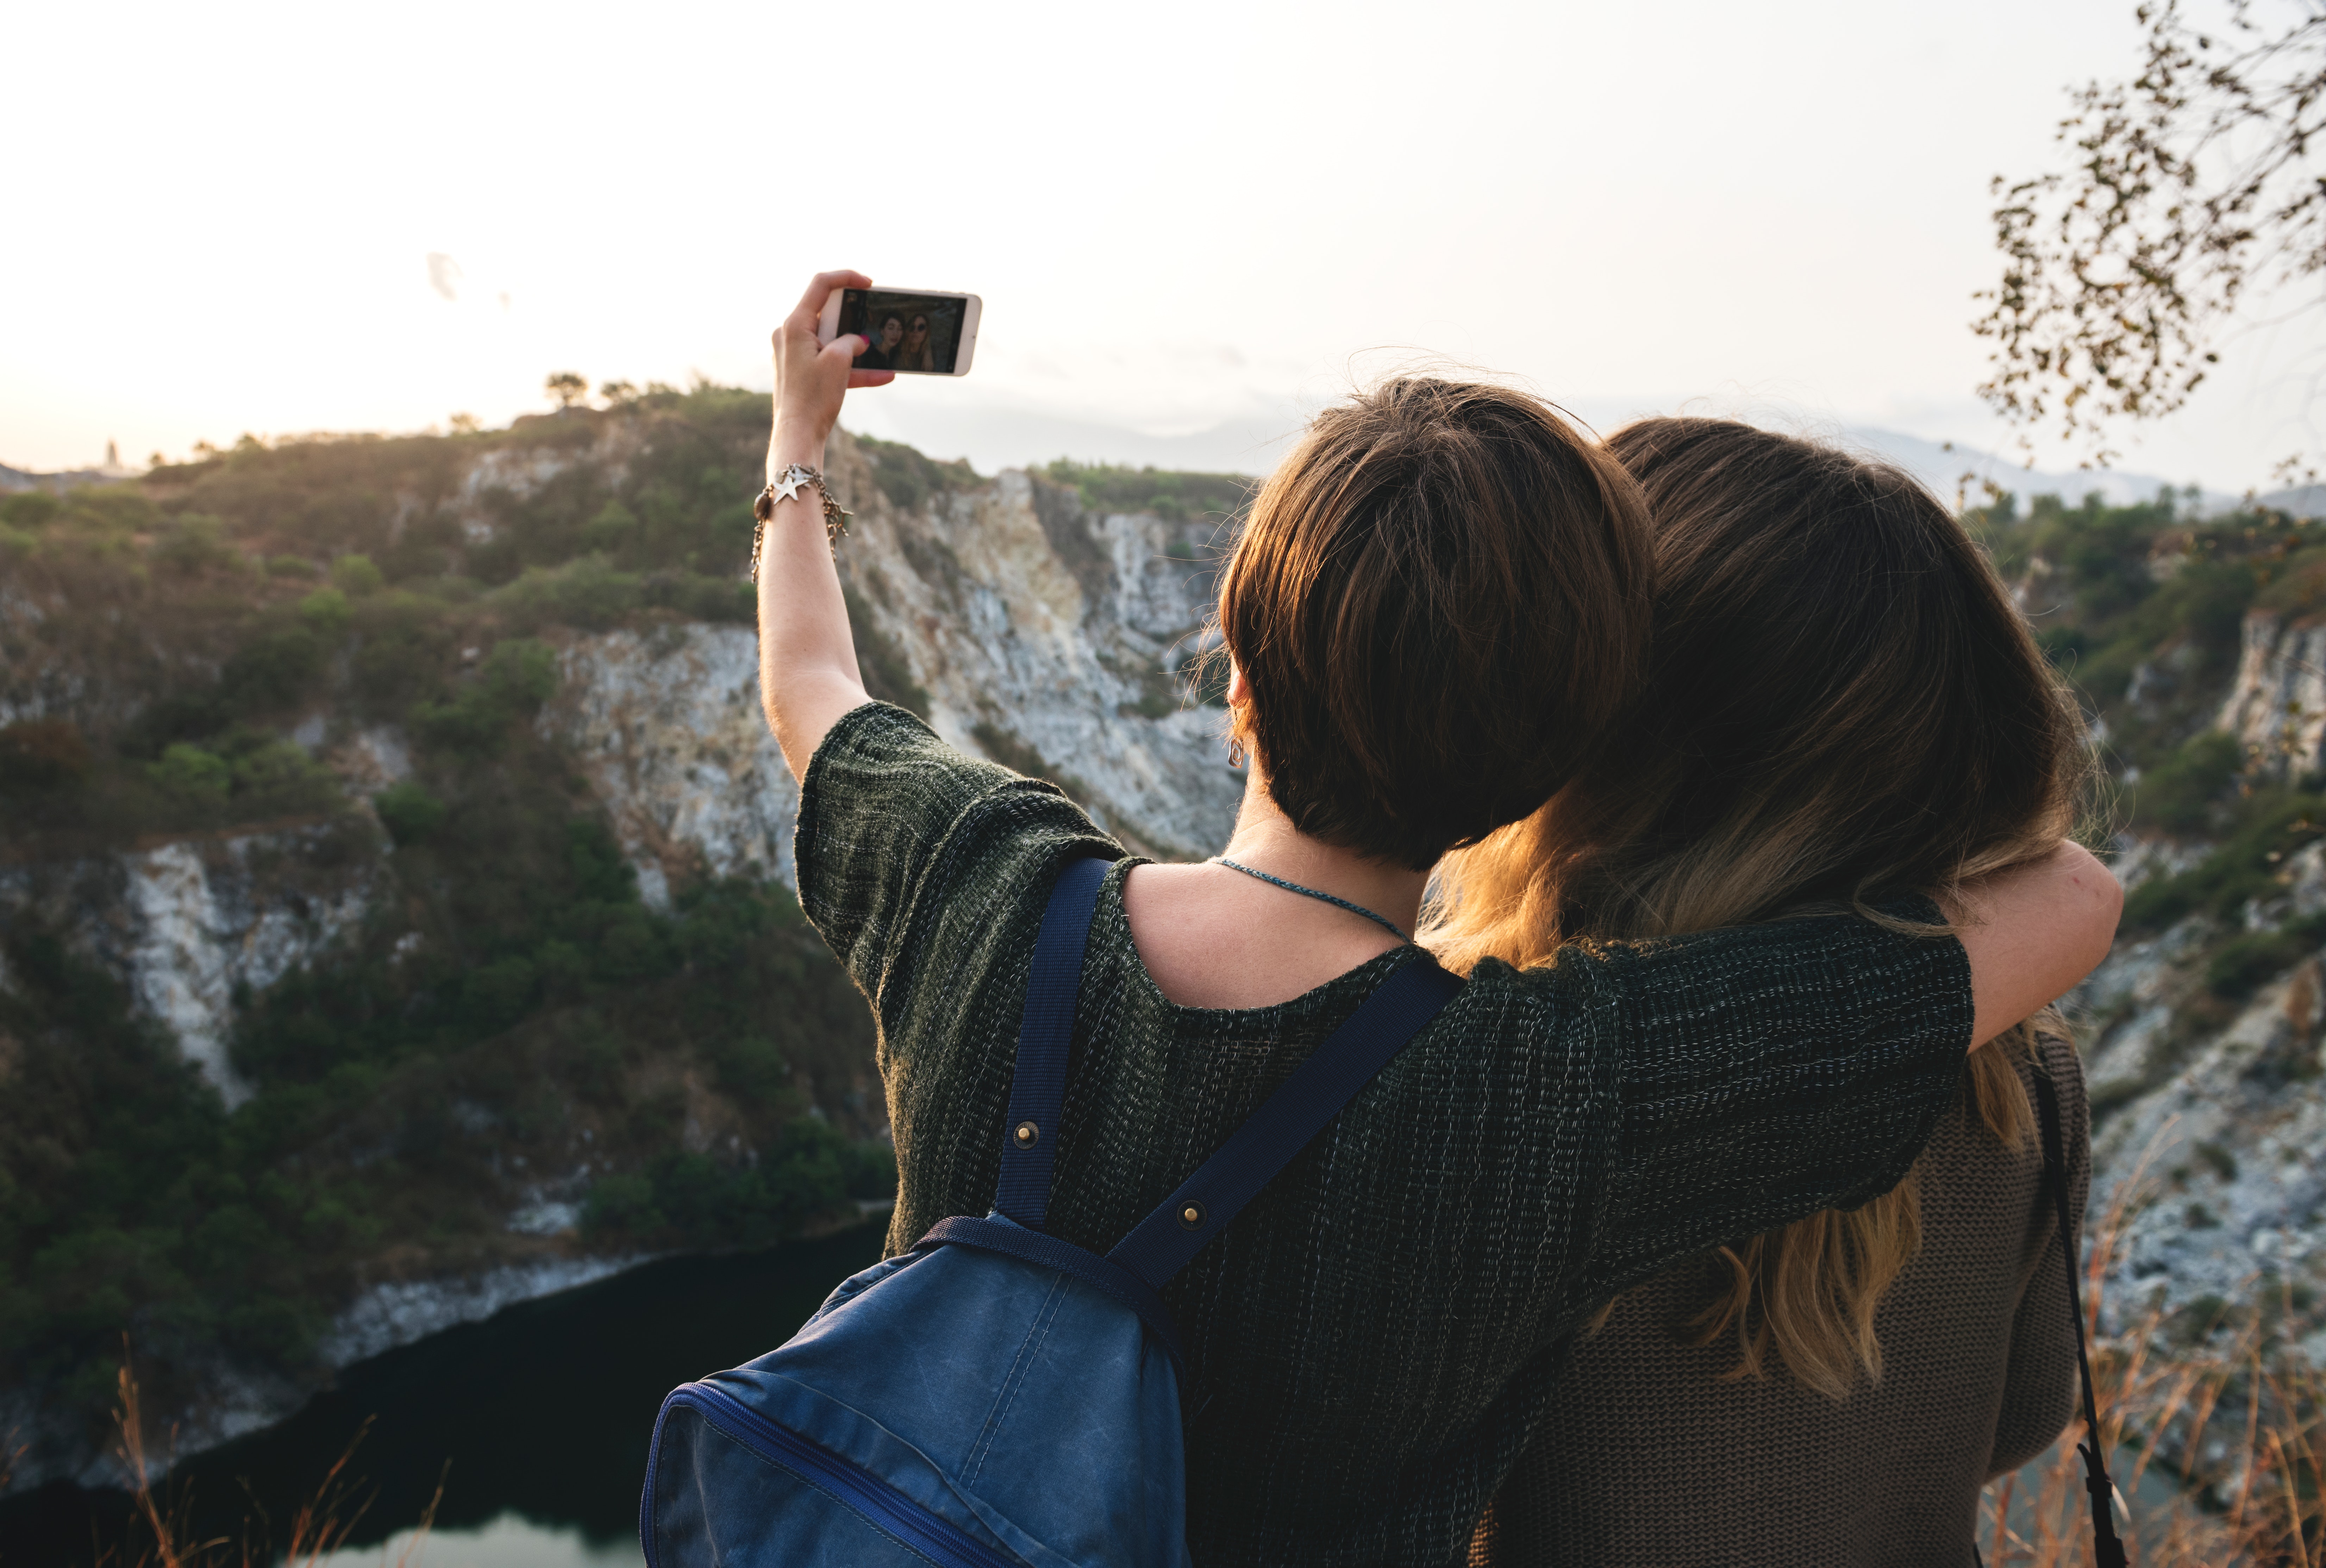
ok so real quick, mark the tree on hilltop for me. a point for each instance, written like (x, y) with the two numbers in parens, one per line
(2192, 190)
(567, 386)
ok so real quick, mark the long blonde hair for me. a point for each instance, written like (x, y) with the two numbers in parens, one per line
(1841, 702)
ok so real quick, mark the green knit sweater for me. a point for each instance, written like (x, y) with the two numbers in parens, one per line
(1372, 1338)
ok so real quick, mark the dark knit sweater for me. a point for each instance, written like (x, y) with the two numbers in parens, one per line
(1372, 1338)
(1648, 1458)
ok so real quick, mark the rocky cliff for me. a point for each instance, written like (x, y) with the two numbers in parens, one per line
(2200, 651)
(303, 757)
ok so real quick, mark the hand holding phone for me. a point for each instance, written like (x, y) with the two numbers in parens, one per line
(912, 331)
(812, 376)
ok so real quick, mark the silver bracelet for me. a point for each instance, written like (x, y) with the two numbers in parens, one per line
(784, 489)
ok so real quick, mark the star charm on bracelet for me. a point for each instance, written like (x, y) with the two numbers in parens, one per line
(787, 488)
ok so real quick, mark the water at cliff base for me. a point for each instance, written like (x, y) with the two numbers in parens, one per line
(535, 1421)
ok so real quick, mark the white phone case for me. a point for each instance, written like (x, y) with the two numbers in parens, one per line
(827, 326)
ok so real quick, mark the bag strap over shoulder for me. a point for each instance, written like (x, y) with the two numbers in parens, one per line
(2108, 1550)
(1159, 1245)
(1029, 1139)
(1349, 1058)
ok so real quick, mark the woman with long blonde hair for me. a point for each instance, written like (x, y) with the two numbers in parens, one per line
(1842, 702)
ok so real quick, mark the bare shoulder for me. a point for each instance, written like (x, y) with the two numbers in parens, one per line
(1210, 938)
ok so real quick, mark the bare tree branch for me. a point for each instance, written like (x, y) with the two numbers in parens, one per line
(2192, 187)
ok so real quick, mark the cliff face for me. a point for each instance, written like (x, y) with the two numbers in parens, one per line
(2202, 1032)
(2276, 704)
(189, 923)
(330, 839)
(1025, 626)
(1050, 637)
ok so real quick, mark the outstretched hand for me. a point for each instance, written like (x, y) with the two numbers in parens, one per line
(811, 378)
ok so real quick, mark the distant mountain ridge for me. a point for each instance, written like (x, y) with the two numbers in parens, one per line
(997, 438)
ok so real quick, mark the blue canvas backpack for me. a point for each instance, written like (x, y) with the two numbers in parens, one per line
(997, 1398)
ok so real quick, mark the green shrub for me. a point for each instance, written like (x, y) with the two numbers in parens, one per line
(2179, 795)
(564, 968)
(2268, 826)
(31, 510)
(907, 477)
(870, 1170)
(515, 679)
(193, 774)
(1173, 496)
(753, 1069)
(275, 775)
(325, 611)
(400, 653)
(614, 525)
(292, 566)
(195, 544)
(622, 1204)
(273, 670)
(2243, 962)
(521, 673)
(702, 1201)
(408, 811)
(356, 576)
(589, 592)
(496, 995)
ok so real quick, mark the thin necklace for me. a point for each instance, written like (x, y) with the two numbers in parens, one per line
(1293, 887)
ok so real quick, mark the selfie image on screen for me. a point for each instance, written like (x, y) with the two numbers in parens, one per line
(912, 332)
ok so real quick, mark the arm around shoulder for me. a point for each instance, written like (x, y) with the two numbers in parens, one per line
(2031, 932)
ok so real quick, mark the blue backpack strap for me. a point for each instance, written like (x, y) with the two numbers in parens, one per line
(989, 1234)
(1029, 1136)
(1398, 1010)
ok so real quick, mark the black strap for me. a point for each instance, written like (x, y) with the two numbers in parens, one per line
(1161, 1244)
(2108, 1551)
(1029, 1137)
(1350, 1058)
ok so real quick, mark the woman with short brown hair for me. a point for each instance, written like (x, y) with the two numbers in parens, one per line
(1842, 701)
(1437, 606)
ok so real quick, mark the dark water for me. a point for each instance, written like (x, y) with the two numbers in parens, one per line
(544, 1412)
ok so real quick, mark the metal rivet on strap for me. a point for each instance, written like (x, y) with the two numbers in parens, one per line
(1191, 1216)
(1027, 1134)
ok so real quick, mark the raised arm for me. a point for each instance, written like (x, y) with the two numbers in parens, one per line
(807, 658)
(2031, 932)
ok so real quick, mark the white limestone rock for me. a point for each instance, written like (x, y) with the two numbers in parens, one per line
(207, 922)
(2224, 1165)
(2276, 705)
(397, 1312)
(666, 726)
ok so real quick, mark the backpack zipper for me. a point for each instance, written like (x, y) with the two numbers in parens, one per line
(846, 1482)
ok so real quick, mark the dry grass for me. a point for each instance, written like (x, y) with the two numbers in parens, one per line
(2230, 1414)
(161, 1534)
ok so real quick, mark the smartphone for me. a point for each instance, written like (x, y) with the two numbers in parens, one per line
(912, 331)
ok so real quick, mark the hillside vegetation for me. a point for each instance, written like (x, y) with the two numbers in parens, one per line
(186, 659)
(2142, 609)
(509, 1005)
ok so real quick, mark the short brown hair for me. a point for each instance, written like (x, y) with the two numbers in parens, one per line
(1441, 600)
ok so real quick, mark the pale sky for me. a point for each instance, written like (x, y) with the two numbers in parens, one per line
(220, 216)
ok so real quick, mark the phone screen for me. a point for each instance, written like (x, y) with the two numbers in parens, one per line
(915, 333)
